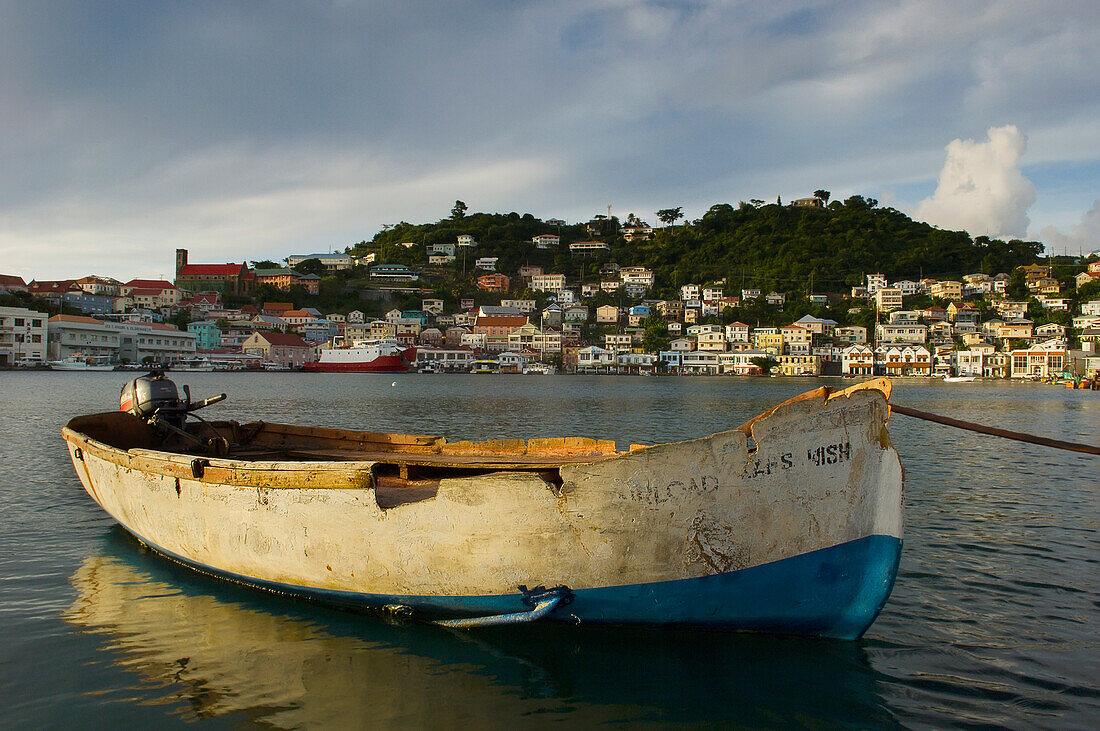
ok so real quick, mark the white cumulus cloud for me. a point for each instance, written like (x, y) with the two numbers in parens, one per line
(981, 189)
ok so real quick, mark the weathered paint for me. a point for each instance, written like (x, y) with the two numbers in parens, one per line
(672, 533)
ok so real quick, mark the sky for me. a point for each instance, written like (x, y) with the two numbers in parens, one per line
(256, 130)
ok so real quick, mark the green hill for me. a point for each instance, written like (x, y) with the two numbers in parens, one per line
(772, 247)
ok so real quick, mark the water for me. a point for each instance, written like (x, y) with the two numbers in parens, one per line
(992, 620)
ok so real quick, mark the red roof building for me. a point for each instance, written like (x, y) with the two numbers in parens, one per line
(235, 279)
(12, 283)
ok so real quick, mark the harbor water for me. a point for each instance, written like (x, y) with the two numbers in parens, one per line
(992, 622)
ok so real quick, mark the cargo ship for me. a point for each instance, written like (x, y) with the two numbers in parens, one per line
(385, 355)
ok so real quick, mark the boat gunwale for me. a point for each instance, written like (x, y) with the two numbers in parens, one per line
(406, 450)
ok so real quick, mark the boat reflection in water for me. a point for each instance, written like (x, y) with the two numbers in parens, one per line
(219, 650)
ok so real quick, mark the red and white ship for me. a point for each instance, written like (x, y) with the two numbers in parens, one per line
(386, 355)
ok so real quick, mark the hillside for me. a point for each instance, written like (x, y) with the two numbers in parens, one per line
(773, 247)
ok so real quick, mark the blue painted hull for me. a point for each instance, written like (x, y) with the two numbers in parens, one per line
(834, 592)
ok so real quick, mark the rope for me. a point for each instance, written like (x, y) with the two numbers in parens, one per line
(542, 601)
(993, 431)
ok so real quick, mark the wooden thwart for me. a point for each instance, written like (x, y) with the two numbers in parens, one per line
(993, 431)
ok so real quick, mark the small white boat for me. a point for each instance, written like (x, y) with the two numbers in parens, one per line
(193, 365)
(79, 362)
(958, 379)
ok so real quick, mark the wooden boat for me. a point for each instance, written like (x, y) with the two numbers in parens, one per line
(790, 523)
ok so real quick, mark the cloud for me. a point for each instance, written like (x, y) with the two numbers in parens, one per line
(1083, 239)
(981, 189)
(206, 123)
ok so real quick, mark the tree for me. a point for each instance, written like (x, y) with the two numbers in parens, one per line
(265, 264)
(822, 195)
(766, 363)
(669, 216)
(310, 266)
(459, 211)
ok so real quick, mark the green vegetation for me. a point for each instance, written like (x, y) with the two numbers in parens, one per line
(771, 247)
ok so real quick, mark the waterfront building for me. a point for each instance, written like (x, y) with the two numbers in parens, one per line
(635, 362)
(910, 360)
(69, 335)
(282, 348)
(23, 335)
(1041, 360)
(857, 360)
(208, 336)
(531, 337)
(497, 329)
(595, 359)
(445, 360)
(700, 362)
(801, 364)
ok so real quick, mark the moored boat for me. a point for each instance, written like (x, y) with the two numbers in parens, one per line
(790, 523)
(79, 362)
(385, 355)
(958, 379)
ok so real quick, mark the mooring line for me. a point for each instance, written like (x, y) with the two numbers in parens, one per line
(993, 431)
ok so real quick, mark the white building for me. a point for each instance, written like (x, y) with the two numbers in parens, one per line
(887, 299)
(690, 292)
(23, 335)
(906, 333)
(546, 241)
(857, 360)
(548, 282)
(636, 276)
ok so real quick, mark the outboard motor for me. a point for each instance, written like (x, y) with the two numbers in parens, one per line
(144, 395)
(154, 399)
